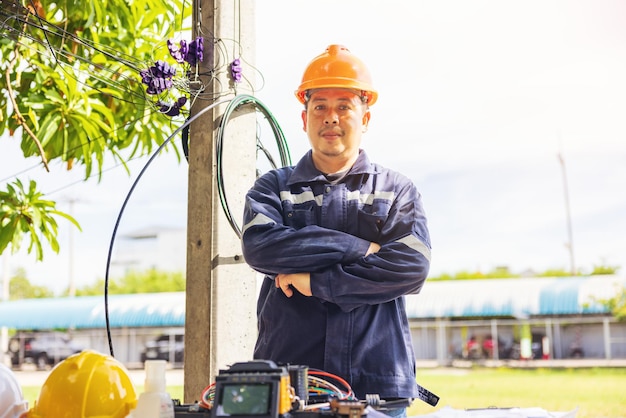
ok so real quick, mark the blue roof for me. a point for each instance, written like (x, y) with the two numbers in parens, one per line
(137, 310)
(519, 298)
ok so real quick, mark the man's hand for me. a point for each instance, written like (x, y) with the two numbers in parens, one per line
(373, 249)
(300, 281)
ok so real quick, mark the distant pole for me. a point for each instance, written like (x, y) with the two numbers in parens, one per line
(570, 239)
(71, 284)
(71, 291)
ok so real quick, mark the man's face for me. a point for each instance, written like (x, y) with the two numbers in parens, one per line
(334, 121)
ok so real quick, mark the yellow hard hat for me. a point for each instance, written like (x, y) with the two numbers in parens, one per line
(337, 67)
(86, 385)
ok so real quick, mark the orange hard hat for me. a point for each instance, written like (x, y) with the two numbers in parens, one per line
(337, 67)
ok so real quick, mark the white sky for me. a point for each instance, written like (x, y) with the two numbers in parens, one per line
(477, 98)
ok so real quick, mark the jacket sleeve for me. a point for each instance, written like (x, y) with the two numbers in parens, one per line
(271, 247)
(400, 266)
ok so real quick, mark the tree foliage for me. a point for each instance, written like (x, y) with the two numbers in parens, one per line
(599, 269)
(616, 304)
(496, 273)
(23, 212)
(71, 90)
(505, 273)
(149, 281)
(21, 288)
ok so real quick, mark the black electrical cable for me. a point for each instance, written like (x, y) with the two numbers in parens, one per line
(119, 217)
(232, 106)
(283, 149)
(49, 28)
(184, 141)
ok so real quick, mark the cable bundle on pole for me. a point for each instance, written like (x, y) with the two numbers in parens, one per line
(281, 142)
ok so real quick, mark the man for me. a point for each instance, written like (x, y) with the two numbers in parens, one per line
(341, 241)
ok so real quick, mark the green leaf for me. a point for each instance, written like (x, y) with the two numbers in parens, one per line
(84, 102)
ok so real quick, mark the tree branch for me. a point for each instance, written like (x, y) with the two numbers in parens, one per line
(18, 116)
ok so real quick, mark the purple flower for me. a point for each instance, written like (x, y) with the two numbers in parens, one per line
(195, 54)
(235, 70)
(178, 53)
(158, 77)
(172, 109)
(192, 52)
(163, 69)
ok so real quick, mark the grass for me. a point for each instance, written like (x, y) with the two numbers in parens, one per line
(597, 393)
(32, 392)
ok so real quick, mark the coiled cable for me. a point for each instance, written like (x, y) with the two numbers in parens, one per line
(281, 142)
(232, 106)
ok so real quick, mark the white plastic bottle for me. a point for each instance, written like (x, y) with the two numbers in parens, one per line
(154, 402)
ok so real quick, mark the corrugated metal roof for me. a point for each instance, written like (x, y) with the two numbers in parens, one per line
(519, 298)
(138, 310)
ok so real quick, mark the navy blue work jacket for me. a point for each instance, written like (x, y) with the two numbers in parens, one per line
(355, 325)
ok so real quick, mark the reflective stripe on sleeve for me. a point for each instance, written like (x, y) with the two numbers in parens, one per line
(412, 242)
(259, 219)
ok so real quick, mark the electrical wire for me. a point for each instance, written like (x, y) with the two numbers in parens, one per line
(319, 384)
(93, 74)
(208, 396)
(119, 217)
(285, 158)
(64, 58)
(81, 145)
(123, 82)
(233, 104)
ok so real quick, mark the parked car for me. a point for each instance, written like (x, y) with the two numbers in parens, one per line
(44, 349)
(161, 348)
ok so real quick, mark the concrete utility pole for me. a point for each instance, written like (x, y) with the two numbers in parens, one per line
(220, 322)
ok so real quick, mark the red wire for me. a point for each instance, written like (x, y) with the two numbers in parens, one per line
(333, 376)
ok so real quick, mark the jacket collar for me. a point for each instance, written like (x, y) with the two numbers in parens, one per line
(305, 171)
